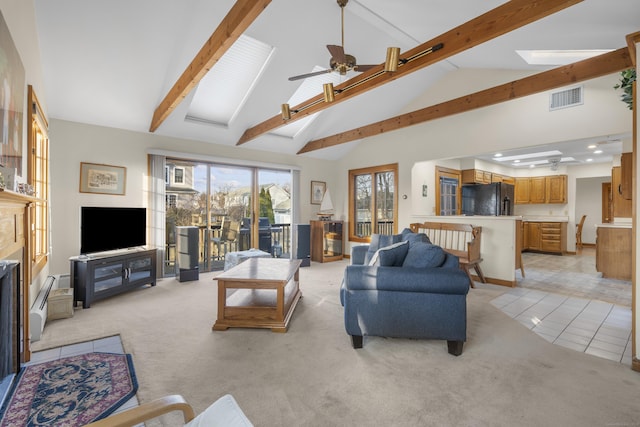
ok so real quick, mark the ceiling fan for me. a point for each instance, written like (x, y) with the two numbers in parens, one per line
(340, 61)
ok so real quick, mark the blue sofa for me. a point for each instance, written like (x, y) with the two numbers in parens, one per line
(402, 286)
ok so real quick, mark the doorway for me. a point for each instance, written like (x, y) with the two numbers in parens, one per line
(235, 208)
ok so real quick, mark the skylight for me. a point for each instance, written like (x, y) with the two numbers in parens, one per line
(529, 156)
(225, 88)
(558, 57)
(309, 88)
(543, 162)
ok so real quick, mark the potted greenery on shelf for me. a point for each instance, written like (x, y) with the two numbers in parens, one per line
(627, 77)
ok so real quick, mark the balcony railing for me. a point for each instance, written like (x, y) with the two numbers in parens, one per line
(364, 228)
(213, 247)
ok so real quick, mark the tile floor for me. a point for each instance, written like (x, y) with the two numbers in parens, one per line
(594, 327)
(567, 302)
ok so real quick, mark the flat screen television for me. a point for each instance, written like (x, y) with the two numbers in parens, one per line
(108, 228)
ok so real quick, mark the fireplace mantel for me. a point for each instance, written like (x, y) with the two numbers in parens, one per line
(15, 225)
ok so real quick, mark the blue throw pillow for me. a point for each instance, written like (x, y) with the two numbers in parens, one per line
(390, 256)
(380, 241)
(424, 255)
(415, 237)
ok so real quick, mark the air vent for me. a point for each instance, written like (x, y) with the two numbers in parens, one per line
(566, 98)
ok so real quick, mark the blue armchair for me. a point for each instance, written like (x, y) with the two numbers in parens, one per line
(411, 298)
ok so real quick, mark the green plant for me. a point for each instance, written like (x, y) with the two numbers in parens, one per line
(627, 77)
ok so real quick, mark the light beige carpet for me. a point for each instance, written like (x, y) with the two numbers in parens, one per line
(311, 376)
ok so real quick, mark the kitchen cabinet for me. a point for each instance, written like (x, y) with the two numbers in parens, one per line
(556, 189)
(550, 237)
(537, 190)
(626, 179)
(509, 180)
(541, 189)
(522, 190)
(613, 252)
(621, 206)
(531, 236)
(476, 176)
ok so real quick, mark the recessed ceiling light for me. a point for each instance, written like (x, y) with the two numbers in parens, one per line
(558, 57)
(532, 166)
(516, 161)
(598, 152)
(589, 160)
(497, 155)
(592, 146)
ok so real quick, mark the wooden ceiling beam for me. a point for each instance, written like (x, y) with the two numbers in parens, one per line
(598, 66)
(499, 21)
(239, 18)
(632, 39)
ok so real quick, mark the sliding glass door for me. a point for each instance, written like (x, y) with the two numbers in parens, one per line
(235, 208)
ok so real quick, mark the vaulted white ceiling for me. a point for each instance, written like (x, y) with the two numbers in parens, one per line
(110, 63)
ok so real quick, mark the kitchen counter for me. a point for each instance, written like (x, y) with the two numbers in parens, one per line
(544, 218)
(613, 225)
(499, 244)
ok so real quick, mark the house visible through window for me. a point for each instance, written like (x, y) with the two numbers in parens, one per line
(178, 175)
(172, 200)
(373, 204)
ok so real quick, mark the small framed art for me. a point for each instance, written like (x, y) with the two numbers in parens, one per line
(102, 179)
(317, 191)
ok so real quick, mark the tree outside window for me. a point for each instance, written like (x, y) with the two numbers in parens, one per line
(373, 205)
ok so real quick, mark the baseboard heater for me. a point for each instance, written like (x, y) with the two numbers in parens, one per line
(38, 312)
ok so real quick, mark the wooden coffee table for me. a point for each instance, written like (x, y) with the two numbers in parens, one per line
(258, 293)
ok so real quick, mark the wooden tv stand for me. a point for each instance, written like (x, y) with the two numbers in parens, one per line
(99, 276)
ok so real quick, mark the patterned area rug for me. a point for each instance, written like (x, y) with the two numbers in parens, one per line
(72, 391)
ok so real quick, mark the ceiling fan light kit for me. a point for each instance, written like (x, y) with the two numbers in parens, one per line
(328, 92)
(286, 112)
(393, 56)
(392, 63)
(342, 63)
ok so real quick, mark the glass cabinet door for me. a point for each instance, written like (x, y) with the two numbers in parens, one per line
(107, 276)
(139, 269)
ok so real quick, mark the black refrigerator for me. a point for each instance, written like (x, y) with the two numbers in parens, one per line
(487, 199)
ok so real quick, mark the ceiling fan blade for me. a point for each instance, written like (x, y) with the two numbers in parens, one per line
(337, 53)
(304, 76)
(362, 68)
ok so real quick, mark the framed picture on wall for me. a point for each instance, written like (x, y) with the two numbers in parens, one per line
(12, 90)
(317, 191)
(102, 179)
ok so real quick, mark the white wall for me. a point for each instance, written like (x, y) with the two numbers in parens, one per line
(20, 18)
(589, 203)
(73, 143)
(519, 123)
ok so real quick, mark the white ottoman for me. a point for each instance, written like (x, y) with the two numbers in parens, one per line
(231, 259)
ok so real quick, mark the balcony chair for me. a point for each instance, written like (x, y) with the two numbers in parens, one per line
(224, 412)
(228, 238)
